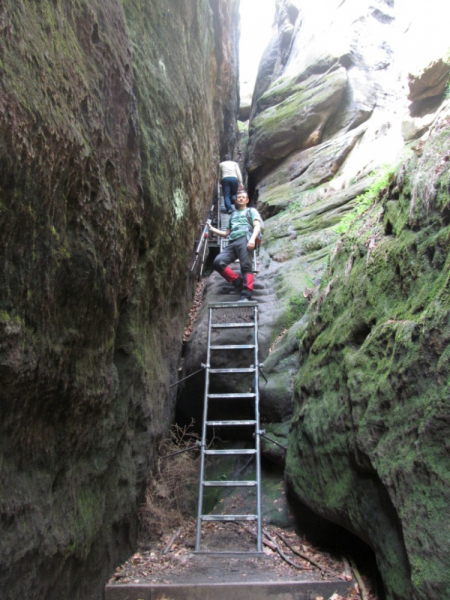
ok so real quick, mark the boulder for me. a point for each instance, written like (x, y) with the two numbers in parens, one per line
(275, 452)
(432, 81)
(245, 108)
(307, 169)
(296, 122)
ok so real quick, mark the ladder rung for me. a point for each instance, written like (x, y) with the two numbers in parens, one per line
(234, 370)
(229, 517)
(225, 305)
(229, 483)
(233, 347)
(227, 452)
(243, 395)
(231, 325)
(234, 423)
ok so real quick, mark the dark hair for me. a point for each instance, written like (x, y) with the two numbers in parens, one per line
(227, 156)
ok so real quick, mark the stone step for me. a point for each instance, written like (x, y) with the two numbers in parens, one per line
(286, 590)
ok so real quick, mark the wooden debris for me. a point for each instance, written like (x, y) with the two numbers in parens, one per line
(193, 313)
(171, 541)
(347, 569)
(170, 559)
(280, 336)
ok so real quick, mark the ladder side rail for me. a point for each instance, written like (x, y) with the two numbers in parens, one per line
(218, 203)
(204, 431)
(257, 440)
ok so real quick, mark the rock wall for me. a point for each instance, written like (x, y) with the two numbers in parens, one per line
(368, 438)
(112, 116)
(356, 249)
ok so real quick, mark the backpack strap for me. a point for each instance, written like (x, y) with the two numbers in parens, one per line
(250, 221)
(249, 217)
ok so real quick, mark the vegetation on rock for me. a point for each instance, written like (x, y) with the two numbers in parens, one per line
(371, 410)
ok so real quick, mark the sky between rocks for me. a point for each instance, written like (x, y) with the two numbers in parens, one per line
(422, 32)
(256, 29)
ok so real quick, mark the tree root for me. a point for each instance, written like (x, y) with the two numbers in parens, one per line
(276, 547)
(362, 587)
(300, 554)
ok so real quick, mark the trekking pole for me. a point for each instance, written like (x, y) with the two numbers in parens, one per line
(203, 240)
(202, 263)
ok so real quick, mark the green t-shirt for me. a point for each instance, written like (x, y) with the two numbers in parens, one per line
(239, 222)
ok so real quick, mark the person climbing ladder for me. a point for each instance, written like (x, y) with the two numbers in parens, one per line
(242, 233)
(230, 178)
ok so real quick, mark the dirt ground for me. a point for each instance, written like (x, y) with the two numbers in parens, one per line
(171, 559)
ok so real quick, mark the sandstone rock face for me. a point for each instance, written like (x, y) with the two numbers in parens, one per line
(360, 299)
(296, 122)
(431, 82)
(325, 86)
(112, 116)
(367, 444)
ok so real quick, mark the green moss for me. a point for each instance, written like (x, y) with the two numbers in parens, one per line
(365, 201)
(7, 317)
(276, 119)
(283, 87)
(242, 126)
(297, 308)
(447, 89)
(374, 381)
(87, 519)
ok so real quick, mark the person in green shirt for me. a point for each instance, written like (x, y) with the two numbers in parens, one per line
(242, 240)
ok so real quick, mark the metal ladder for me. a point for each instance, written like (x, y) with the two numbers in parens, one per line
(243, 315)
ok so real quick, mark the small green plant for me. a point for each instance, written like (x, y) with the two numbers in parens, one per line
(366, 200)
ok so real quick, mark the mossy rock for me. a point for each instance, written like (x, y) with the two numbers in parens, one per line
(366, 447)
(295, 123)
(278, 432)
